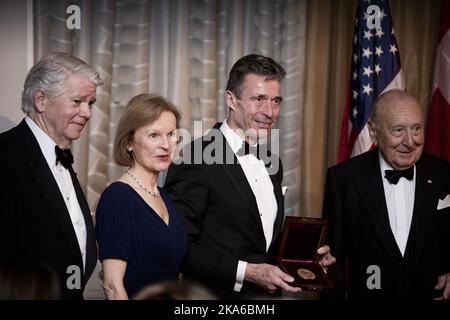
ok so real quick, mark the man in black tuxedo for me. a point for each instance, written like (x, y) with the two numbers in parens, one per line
(389, 211)
(231, 202)
(44, 216)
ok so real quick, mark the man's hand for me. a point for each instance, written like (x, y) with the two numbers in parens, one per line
(270, 277)
(326, 258)
(443, 283)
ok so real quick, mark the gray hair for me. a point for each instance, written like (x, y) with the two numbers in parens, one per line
(50, 74)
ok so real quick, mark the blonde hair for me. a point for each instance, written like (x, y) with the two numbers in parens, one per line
(141, 110)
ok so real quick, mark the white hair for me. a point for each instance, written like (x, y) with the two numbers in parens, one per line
(50, 74)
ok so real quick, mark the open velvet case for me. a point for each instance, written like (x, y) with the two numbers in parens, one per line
(298, 256)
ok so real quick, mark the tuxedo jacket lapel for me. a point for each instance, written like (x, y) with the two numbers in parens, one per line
(424, 209)
(237, 177)
(91, 248)
(280, 202)
(45, 181)
(370, 186)
(239, 180)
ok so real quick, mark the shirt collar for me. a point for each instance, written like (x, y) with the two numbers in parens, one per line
(233, 139)
(383, 164)
(46, 143)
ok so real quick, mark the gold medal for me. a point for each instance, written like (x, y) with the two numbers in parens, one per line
(306, 274)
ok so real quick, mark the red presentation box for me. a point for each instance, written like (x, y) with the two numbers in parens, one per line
(298, 256)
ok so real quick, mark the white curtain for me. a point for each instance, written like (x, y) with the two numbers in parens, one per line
(182, 50)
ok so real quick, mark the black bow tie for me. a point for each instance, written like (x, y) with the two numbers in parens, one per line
(246, 149)
(64, 156)
(394, 175)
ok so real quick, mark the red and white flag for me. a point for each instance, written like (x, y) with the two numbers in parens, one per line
(438, 130)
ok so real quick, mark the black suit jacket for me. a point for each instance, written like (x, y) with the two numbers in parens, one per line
(360, 231)
(35, 224)
(221, 216)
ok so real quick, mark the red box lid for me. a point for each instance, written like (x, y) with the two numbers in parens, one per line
(297, 255)
(302, 237)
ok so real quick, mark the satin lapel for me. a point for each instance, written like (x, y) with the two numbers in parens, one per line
(424, 208)
(49, 190)
(241, 185)
(91, 247)
(370, 185)
(276, 181)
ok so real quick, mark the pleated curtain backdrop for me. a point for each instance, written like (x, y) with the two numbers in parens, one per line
(183, 50)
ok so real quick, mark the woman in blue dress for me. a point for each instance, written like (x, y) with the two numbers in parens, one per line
(141, 240)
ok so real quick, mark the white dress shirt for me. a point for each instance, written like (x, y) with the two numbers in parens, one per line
(400, 204)
(259, 180)
(65, 184)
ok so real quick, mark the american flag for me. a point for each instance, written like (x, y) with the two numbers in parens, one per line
(375, 68)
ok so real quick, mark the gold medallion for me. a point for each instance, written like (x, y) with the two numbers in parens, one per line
(306, 274)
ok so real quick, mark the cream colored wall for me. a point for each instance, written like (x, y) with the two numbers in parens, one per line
(16, 55)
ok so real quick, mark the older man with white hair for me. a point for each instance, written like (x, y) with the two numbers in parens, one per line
(44, 217)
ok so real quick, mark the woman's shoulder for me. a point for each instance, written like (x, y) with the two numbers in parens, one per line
(117, 191)
(117, 186)
(116, 198)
